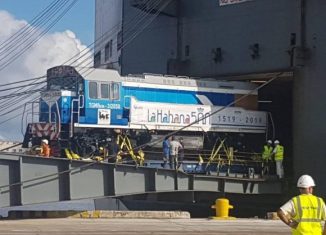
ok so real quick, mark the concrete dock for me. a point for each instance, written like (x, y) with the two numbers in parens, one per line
(73, 226)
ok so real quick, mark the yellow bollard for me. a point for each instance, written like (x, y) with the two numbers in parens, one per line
(222, 207)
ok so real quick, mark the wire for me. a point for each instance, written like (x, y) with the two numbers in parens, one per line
(143, 16)
(21, 93)
(212, 113)
(27, 33)
(133, 22)
(11, 40)
(39, 36)
(7, 89)
(31, 43)
(160, 139)
(22, 81)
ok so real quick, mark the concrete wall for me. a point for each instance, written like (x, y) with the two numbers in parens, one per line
(234, 28)
(204, 26)
(108, 23)
(147, 49)
(309, 103)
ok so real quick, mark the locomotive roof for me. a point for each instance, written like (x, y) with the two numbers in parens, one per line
(164, 80)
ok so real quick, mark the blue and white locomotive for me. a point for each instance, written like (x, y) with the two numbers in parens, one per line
(81, 106)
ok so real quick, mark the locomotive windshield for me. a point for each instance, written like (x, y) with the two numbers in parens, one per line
(63, 78)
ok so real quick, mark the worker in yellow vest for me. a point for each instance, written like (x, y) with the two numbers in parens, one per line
(306, 212)
(267, 157)
(278, 152)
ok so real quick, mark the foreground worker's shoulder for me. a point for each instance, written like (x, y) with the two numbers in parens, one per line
(322, 201)
(323, 208)
(288, 208)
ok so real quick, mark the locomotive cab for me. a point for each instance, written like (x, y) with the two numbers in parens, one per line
(103, 104)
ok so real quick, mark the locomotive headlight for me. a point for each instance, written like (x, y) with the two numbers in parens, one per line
(65, 100)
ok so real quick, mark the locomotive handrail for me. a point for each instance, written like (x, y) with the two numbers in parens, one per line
(23, 115)
(81, 97)
(58, 124)
(34, 113)
(72, 116)
(126, 97)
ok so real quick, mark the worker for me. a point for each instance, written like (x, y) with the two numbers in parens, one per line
(181, 154)
(199, 165)
(45, 148)
(278, 153)
(112, 149)
(166, 151)
(174, 149)
(306, 212)
(267, 157)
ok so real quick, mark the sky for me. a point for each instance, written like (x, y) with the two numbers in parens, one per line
(68, 38)
(80, 19)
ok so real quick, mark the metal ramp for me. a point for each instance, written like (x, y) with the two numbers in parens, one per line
(26, 180)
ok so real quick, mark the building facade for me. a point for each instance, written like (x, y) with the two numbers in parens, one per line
(237, 40)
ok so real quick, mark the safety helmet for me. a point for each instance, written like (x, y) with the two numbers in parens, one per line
(276, 142)
(45, 141)
(269, 141)
(305, 181)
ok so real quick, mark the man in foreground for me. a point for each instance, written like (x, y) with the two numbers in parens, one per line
(306, 212)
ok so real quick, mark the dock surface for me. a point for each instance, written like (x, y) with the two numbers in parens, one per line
(72, 226)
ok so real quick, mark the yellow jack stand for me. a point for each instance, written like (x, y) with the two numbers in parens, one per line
(222, 207)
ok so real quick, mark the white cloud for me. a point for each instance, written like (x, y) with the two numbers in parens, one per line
(51, 50)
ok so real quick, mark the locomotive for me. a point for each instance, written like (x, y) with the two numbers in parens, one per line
(84, 109)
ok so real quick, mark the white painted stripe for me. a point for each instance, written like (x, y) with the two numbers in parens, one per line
(242, 129)
(204, 100)
(185, 88)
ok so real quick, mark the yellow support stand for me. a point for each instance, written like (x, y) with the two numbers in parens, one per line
(222, 207)
(126, 147)
(71, 155)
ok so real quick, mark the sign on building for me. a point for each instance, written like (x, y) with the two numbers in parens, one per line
(229, 2)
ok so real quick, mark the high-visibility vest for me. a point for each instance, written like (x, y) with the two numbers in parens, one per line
(279, 154)
(309, 214)
(267, 153)
(45, 150)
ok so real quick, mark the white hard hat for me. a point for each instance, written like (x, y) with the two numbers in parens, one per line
(276, 142)
(269, 141)
(45, 141)
(305, 181)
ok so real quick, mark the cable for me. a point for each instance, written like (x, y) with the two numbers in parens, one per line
(100, 39)
(207, 116)
(21, 93)
(135, 34)
(30, 44)
(7, 89)
(22, 81)
(21, 31)
(39, 36)
(133, 22)
(139, 147)
(28, 33)
(49, 175)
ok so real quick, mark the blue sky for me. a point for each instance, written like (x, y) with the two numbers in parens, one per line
(68, 38)
(80, 19)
